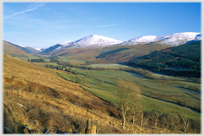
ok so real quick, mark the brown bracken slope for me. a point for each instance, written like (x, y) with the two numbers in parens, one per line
(9, 48)
(36, 99)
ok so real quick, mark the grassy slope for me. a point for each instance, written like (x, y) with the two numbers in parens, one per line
(28, 50)
(90, 54)
(134, 51)
(80, 53)
(9, 48)
(155, 88)
(188, 53)
(47, 96)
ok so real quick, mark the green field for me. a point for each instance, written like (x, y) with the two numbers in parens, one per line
(108, 65)
(25, 58)
(17, 55)
(103, 84)
(162, 89)
(71, 61)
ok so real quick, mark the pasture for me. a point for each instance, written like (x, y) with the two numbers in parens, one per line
(154, 91)
(103, 84)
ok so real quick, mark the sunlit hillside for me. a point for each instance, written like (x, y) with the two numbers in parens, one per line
(110, 54)
(37, 100)
(11, 49)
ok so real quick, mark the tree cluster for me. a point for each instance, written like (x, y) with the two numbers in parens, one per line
(184, 56)
(54, 59)
(131, 104)
(36, 60)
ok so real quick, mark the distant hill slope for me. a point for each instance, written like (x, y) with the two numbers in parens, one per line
(124, 53)
(174, 39)
(183, 57)
(10, 48)
(16, 49)
(100, 49)
(51, 50)
(90, 41)
(110, 54)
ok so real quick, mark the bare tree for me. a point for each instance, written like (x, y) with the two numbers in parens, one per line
(157, 113)
(186, 120)
(127, 94)
(141, 110)
(124, 102)
(136, 102)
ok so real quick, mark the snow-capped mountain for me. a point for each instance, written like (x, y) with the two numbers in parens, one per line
(94, 41)
(66, 43)
(170, 39)
(89, 41)
(177, 38)
(198, 37)
(174, 39)
(141, 40)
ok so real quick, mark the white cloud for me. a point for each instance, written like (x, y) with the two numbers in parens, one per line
(30, 8)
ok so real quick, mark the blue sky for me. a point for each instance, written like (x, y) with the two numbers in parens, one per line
(41, 25)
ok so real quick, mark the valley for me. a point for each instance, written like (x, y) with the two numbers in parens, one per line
(44, 95)
(101, 68)
(102, 83)
(82, 84)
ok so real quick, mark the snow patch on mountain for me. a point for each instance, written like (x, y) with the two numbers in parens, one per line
(38, 49)
(142, 39)
(174, 39)
(22, 46)
(89, 41)
(94, 41)
(65, 43)
(198, 37)
(177, 38)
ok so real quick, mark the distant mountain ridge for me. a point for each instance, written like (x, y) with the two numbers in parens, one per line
(92, 40)
(14, 48)
(95, 41)
(174, 39)
(88, 41)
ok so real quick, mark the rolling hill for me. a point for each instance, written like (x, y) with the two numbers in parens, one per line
(185, 59)
(51, 50)
(9, 48)
(88, 41)
(96, 41)
(34, 97)
(174, 39)
(92, 47)
(16, 49)
(99, 49)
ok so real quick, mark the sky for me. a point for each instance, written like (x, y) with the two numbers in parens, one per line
(41, 25)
